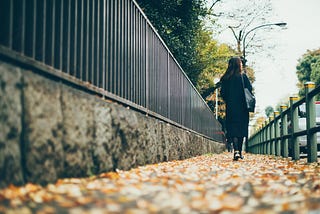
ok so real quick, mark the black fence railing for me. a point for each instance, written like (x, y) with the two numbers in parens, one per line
(109, 47)
(295, 131)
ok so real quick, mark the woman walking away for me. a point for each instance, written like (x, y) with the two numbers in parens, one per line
(237, 114)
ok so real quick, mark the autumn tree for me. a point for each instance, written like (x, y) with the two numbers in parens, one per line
(308, 69)
(213, 57)
(178, 23)
(269, 111)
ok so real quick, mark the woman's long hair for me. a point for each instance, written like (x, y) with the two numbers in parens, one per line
(234, 67)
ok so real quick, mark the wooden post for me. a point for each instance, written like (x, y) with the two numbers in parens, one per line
(272, 143)
(284, 131)
(295, 150)
(277, 133)
(311, 122)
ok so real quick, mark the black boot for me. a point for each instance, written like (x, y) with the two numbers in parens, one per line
(236, 154)
(241, 156)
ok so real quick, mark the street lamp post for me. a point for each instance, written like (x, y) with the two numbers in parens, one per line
(280, 24)
(242, 37)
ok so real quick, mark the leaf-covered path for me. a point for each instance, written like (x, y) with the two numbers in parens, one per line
(205, 184)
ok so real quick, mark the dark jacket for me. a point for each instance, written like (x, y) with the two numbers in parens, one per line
(237, 115)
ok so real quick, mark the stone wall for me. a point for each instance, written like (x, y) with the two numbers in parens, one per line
(49, 130)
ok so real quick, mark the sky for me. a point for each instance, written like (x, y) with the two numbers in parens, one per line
(275, 69)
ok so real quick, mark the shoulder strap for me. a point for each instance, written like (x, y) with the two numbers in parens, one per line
(242, 81)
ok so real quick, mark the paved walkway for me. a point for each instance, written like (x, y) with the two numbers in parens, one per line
(204, 184)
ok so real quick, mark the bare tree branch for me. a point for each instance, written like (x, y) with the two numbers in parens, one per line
(214, 2)
(234, 33)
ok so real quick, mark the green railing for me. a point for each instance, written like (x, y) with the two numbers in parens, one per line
(281, 135)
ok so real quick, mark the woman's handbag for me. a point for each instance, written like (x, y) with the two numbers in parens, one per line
(249, 97)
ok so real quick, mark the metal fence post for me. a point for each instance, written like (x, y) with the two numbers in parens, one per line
(277, 133)
(284, 131)
(261, 146)
(295, 150)
(266, 138)
(259, 141)
(271, 129)
(311, 122)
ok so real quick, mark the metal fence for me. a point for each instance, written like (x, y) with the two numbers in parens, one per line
(291, 131)
(109, 47)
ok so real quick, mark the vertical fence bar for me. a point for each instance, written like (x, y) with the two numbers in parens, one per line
(132, 52)
(92, 50)
(74, 40)
(23, 27)
(107, 45)
(277, 133)
(139, 58)
(268, 139)
(260, 139)
(48, 33)
(134, 58)
(16, 24)
(264, 137)
(119, 70)
(96, 44)
(44, 37)
(67, 44)
(256, 143)
(272, 141)
(39, 23)
(81, 48)
(5, 24)
(147, 65)
(73, 32)
(264, 145)
(311, 122)
(11, 15)
(284, 131)
(112, 48)
(87, 42)
(53, 32)
(103, 44)
(34, 28)
(62, 8)
(125, 45)
(29, 31)
(259, 144)
(98, 47)
(143, 64)
(295, 127)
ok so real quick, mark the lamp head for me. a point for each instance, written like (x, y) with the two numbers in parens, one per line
(281, 24)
